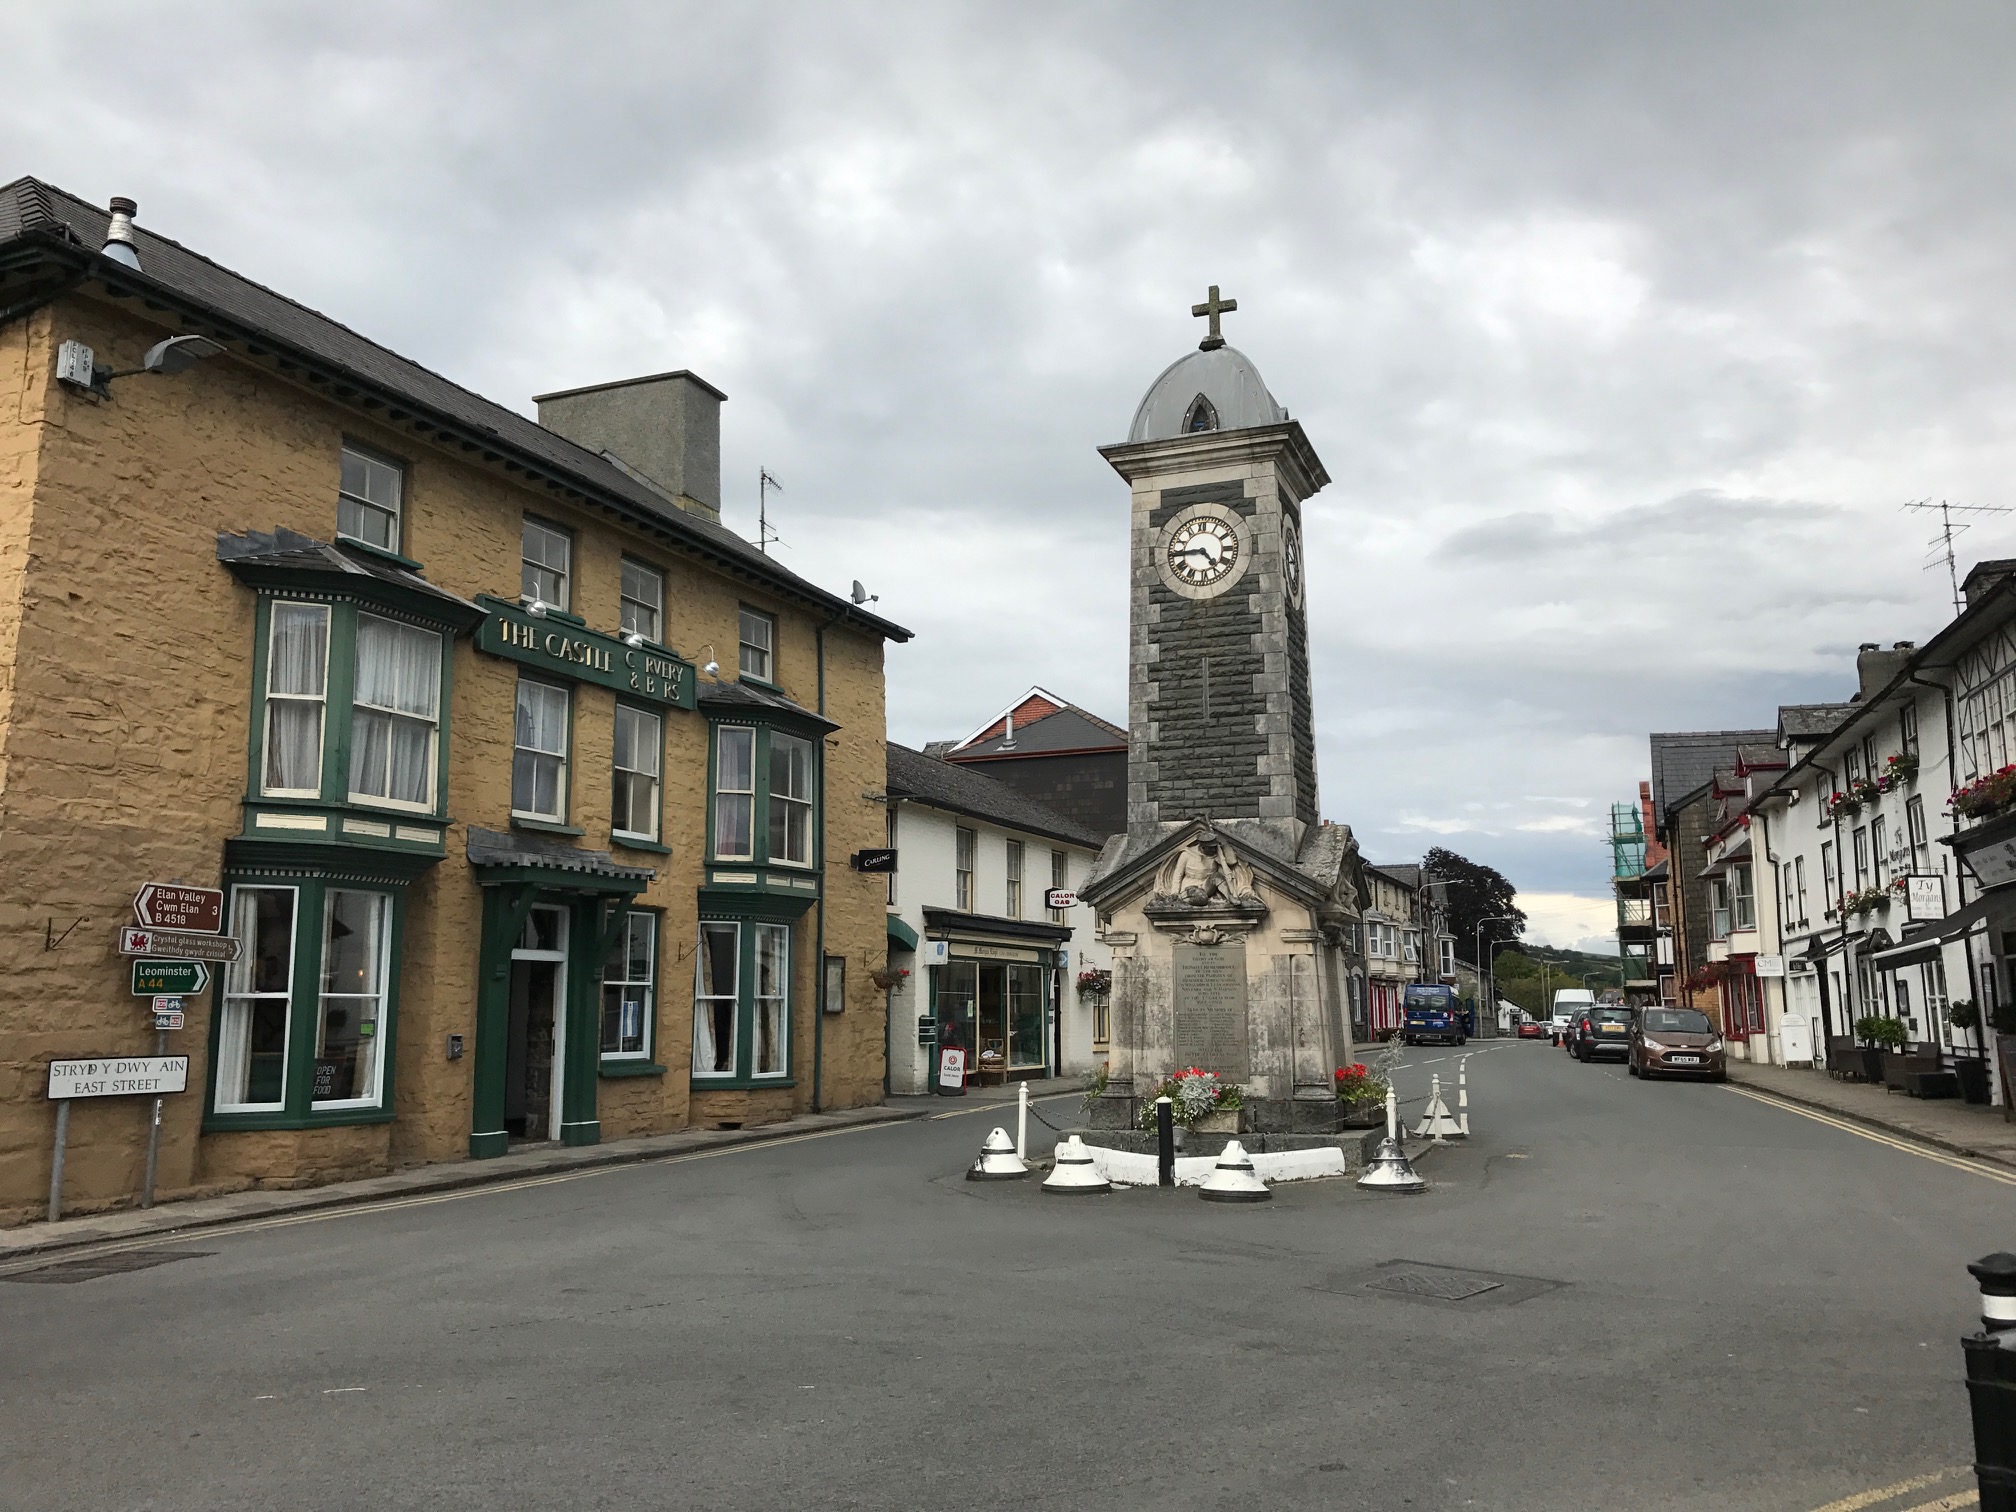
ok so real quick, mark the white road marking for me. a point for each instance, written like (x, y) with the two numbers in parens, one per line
(1883, 1493)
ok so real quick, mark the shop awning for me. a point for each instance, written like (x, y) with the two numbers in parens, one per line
(901, 935)
(1910, 953)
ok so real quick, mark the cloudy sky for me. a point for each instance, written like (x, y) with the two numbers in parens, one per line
(1623, 330)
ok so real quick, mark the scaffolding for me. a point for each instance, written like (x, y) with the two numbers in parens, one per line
(1634, 903)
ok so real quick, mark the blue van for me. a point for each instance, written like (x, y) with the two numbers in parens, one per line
(1429, 1015)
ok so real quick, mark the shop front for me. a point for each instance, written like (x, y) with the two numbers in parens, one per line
(995, 996)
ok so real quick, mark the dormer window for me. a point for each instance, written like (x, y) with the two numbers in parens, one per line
(1202, 416)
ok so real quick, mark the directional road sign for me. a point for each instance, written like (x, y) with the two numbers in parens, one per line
(169, 905)
(182, 978)
(177, 945)
(169, 1020)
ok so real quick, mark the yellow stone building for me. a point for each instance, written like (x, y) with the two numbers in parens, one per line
(532, 789)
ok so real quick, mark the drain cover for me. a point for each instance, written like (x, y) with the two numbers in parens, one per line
(91, 1267)
(1450, 1286)
(1438, 1285)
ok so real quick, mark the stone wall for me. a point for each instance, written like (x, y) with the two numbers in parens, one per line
(125, 691)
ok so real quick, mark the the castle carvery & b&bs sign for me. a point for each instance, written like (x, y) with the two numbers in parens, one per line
(572, 651)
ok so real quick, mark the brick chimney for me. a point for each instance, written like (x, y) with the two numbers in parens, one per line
(1985, 575)
(1874, 667)
(664, 431)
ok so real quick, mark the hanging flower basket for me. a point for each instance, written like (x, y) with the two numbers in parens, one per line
(1985, 797)
(886, 977)
(1897, 771)
(1842, 805)
(1095, 982)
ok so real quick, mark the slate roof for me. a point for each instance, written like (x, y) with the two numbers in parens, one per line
(1753, 755)
(290, 549)
(961, 790)
(713, 694)
(1069, 729)
(491, 848)
(1683, 760)
(1408, 875)
(239, 309)
(1811, 721)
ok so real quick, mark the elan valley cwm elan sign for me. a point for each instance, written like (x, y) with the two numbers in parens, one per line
(571, 651)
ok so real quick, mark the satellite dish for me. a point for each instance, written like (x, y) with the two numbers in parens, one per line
(861, 595)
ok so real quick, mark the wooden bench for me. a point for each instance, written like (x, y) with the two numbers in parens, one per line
(1900, 1066)
(1844, 1058)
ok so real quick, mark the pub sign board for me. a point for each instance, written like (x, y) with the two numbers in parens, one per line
(169, 905)
(646, 672)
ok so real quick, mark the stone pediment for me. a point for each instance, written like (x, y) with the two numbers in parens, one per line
(1206, 870)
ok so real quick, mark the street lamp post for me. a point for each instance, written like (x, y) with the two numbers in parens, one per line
(1477, 958)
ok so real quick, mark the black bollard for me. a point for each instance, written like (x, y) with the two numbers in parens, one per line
(1991, 1382)
(1165, 1142)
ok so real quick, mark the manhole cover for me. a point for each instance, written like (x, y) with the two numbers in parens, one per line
(91, 1267)
(1438, 1285)
(1450, 1286)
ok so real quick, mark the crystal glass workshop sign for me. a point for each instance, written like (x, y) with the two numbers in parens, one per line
(552, 646)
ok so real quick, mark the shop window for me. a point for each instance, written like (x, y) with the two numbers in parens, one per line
(638, 750)
(258, 997)
(395, 715)
(790, 799)
(642, 611)
(546, 557)
(995, 1011)
(629, 989)
(1014, 879)
(965, 844)
(356, 941)
(370, 496)
(539, 757)
(742, 997)
(758, 645)
(297, 676)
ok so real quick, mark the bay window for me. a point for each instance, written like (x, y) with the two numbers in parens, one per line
(742, 1002)
(297, 682)
(716, 977)
(735, 793)
(763, 802)
(539, 755)
(638, 750)
(629, 989)
(395, 714)
(773, 976)
(1742, 901)
(1718, 908)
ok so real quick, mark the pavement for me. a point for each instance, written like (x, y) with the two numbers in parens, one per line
(1673, 1297)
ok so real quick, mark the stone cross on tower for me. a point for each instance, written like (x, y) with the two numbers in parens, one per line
(1213, 306)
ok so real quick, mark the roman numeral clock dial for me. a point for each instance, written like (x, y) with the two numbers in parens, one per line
(1203, 551)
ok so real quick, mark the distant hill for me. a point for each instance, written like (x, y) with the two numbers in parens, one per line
(1598, 971)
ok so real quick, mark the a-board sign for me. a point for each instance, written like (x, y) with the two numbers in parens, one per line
(952, 1070)
(178, 945)
(119, 1076)
(1057, 899)
(181, 978)
(169, 905)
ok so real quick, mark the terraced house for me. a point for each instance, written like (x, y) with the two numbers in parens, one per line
(531, 787)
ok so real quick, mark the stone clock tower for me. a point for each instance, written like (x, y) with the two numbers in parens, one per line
(1218, 699)
(1230, 907)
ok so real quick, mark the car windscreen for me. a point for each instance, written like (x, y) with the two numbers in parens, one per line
(1611, 1016)
(1677, 1021)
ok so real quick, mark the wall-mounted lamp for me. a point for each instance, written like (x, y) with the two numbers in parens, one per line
(634, 639)
(711, 667)
(537, 608)
(77, 364)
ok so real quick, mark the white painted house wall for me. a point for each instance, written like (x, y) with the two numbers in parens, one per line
(926, 849)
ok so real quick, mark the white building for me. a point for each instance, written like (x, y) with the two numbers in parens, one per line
(991, 968)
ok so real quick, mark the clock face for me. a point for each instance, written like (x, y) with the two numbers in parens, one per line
(1203, 551)
(1291, 559)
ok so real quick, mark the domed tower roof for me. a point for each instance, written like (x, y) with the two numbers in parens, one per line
(1217, 388)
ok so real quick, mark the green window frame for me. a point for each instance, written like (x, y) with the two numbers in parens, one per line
(303, 1026)
(744, 1006)
(306, 692)
(763, 796)
(629, 1016)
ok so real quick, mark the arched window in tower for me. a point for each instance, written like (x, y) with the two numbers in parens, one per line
(1202, 416)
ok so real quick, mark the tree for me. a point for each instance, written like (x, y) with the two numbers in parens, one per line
(1475, 893)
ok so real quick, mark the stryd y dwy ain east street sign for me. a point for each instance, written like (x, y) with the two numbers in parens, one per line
(169, 905)
(179, 978)
(177, 945)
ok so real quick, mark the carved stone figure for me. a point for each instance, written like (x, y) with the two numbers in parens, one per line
(1206, 872)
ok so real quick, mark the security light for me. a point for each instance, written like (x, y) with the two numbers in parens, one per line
(178, 354)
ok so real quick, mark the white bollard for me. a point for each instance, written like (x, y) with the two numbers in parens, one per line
(1390, 1170)
(1233, 1178)
(1462, 1097)
(1435, 1122)
(998, 1160)
(1022, 1121)
(1075, 1172)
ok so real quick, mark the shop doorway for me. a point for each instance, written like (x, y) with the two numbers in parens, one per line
(995, 1012)
(535, 1041)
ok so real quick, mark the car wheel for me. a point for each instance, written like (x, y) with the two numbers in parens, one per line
(1631, 1066)
(1719, 1076)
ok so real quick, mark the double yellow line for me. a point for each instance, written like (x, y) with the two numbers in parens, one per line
(1951, 1503)
(1876, 1136)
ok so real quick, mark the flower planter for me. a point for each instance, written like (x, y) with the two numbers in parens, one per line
(1973, 1074)
(1364, 1115)
(1872, 1064)
(1224, 1121)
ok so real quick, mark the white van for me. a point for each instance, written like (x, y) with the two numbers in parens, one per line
(1570, 1003)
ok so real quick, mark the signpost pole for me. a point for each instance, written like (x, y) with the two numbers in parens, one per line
(153, 1130)
(56, 1160)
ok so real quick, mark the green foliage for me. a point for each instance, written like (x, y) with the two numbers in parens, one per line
(1876, 1029)
(2002, 1018)
(1474, 893)
(1964, 1014)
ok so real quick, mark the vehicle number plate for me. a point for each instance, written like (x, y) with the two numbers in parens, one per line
(1613, 1028)
(1683, 1060)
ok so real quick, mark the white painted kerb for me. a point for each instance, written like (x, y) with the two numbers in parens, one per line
(1130, 1168)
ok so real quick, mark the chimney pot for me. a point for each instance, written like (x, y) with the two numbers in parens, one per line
(1904, 646)
(1870, 646)
(119, 243)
